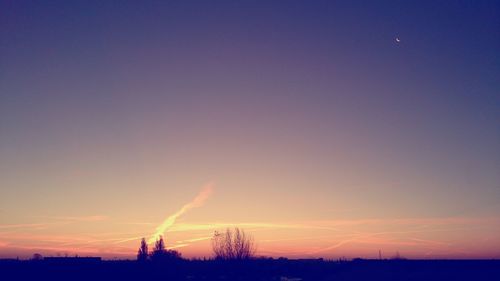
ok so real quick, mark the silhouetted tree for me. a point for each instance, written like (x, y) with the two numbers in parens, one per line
(397, 256)
(37, 257)
(233, 245)
(142, 254)
(160, 253)
(159, 245)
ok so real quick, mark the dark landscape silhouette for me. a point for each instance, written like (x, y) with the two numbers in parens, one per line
(234, 259)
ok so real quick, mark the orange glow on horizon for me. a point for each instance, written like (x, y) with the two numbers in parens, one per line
(413, 238)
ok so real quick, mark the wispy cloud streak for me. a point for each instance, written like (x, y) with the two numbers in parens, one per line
(80, 219)
(198, 201)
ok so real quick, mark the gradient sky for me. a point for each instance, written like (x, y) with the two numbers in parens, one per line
(320, 134)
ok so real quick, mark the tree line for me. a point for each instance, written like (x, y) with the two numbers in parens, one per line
(232, 244)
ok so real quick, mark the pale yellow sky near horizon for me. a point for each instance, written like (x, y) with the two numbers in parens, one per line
(101, 235)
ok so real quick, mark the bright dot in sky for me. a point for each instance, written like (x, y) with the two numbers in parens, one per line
(398, 40)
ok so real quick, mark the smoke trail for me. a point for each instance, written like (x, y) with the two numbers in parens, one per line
(197, 202)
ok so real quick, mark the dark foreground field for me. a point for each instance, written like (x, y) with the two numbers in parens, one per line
(260, 269)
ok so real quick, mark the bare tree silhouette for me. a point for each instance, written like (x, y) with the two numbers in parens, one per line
(233, 245)
(142, 254)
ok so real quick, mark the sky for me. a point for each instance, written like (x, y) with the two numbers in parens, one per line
(322, 128)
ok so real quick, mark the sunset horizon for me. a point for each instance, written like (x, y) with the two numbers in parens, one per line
(192, 239)
(322, 129)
